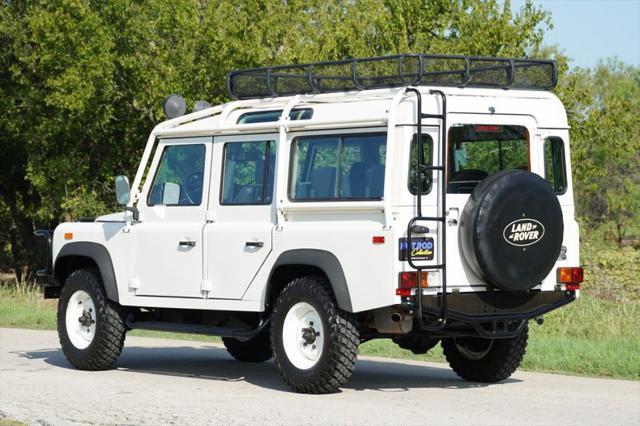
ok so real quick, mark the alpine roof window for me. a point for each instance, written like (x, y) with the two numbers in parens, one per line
(268, 116)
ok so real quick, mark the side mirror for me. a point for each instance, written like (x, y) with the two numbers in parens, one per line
(123, 190)
(123, 194)
(171, 194)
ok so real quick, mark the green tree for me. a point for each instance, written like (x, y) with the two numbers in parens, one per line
(82, 81)
(603, 106)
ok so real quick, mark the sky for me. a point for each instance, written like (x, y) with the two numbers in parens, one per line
(590, 30)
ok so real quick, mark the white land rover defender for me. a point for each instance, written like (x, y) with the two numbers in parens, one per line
(419, 198)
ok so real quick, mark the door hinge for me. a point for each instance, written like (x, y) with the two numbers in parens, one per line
(282, 217)
(210, 216)
(206, 288)
(134, 284)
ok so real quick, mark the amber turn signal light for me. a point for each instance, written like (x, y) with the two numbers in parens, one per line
(409, 281)
(571, 277)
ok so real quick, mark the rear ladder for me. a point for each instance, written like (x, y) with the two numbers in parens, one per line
(441, 320)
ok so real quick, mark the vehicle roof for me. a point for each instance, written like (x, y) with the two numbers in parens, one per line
(359, 106)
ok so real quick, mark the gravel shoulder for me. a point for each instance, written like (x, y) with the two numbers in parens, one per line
(158, 381)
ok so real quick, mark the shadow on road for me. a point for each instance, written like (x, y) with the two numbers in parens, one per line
(212, 363)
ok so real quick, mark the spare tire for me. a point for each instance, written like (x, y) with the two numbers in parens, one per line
(511, 230)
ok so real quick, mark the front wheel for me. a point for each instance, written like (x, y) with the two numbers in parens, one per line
(485, 360)
(90, 326)
(315, 344)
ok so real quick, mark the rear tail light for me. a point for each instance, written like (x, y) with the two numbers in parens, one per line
(409, 281)
(571, 277)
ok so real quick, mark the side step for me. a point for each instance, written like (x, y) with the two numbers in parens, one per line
(206, 330)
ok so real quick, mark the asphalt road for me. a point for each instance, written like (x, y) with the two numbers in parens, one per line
(159, 381)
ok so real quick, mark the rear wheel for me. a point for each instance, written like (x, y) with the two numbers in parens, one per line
(315, 344)
(257, 349)
(90, 326)
(485, 360)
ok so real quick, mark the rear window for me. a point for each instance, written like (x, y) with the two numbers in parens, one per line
(478, 151)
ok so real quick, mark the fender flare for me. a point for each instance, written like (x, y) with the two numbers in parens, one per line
(325, 261)
(100, 255)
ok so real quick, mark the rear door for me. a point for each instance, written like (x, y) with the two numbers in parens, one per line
(242, 216)
(477, 148)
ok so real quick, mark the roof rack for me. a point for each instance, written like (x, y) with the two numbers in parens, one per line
(393, 71)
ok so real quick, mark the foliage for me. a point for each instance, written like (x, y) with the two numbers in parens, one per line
(603, 106)
(82, 82)
(611, 273)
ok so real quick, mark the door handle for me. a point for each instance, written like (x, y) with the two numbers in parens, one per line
(187, 243)
(254, 244)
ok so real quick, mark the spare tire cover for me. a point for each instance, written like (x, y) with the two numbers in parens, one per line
(511, 230)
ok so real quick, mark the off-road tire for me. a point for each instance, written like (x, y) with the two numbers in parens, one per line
(499, 363)
(110, 332)
(418, 343)
(257, 349)
(340, 349)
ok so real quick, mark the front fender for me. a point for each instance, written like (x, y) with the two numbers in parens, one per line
(98, 254)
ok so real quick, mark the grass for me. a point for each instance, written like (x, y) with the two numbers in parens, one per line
(590, 337)
(10, 422)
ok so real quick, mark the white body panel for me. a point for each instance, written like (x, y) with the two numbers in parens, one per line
(221, 273)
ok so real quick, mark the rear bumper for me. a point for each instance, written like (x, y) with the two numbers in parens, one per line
(491, 306)
(494, 314)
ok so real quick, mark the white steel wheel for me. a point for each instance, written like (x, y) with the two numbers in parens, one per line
(90, 326)
(303, 335)
(315, 343)
(80, 319)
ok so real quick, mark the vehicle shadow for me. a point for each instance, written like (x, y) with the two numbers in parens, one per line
(213, 363)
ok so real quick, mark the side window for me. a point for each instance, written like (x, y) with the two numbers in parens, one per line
(247, 166)
(338, 167)
(427, 150)
(178, 181)
(554, 164)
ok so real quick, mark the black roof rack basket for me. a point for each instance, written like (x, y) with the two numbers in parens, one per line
(393, 71)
